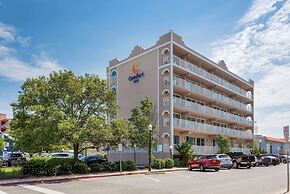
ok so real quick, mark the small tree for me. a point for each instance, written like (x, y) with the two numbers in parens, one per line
(256, 148)
(141, 117)
(185, 150)
(224, 144)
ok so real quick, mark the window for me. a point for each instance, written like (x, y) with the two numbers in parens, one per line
(213, 142)
(200, 141)
(190, 140)
(176, 116)
(176, 96)
(176, 139)
(190, 119)
(114, 89)
(114, 76)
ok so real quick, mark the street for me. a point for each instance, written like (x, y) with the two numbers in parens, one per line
(259, 180)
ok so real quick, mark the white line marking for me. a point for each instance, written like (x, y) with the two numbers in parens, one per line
(41, 189)
(182, 175)
(2, 192)
(146, 176)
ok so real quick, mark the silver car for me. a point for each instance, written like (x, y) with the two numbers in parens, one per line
(226, 161)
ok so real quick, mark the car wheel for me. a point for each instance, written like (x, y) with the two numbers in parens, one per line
(229, 167)
(201, 168)
(284, 161)
(266, 164)
(217, 169)
(235, 165)
(249, 166)
(189, 167)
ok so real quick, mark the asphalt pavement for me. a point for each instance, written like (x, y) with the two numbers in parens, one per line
(258, 180)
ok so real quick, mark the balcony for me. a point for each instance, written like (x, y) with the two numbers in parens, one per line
(210, 94)
(208, 111)
(211, 129)
(213, 78)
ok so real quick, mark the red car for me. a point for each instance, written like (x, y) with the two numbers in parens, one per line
(208, 161)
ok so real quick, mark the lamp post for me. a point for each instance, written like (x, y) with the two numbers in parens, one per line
(150, 150)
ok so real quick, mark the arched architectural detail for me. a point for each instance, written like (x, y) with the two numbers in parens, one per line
(165, 56)
(165, 72)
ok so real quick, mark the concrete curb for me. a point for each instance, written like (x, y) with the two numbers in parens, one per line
(60, 179)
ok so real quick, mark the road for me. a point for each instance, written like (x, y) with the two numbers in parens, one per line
(259, 180)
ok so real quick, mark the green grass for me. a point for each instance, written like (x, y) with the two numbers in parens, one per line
(10, 172)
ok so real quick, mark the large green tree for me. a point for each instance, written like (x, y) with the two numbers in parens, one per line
(141, 116)
(62, 109)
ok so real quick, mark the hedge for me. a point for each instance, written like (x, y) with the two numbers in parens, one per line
(45, 166)
(112, 166)
(163, 163)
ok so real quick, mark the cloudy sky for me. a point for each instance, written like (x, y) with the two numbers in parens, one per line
(253, 38)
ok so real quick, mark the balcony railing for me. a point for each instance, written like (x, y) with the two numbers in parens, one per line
(211, 129)
(214, 150)
(195, 107)
(210, 94)
(193, 68)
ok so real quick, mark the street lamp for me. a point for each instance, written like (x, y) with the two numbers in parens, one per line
(260, 144)
(150, 142)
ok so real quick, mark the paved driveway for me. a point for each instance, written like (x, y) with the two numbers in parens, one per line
(259, 180)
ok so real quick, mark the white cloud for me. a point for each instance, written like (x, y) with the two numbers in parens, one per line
(12, 67)
(260, 50)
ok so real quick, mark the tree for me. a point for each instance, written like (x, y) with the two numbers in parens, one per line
(2, 143)
(61, 109)
(185, 151)
(141, 117)
(256, 148)
(120, 132)
(224, 144)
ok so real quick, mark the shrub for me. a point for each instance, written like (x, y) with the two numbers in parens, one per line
(179, 163)
(168, 163)
(158, 163)
(41, 166)
(96, 167)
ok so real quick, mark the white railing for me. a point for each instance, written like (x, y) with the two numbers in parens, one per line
(211, 129)
(205, 149)
(213, 78)
(210, 94)
(195, 107)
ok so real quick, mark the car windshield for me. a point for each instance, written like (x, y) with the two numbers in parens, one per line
(223, 156)
(211, 157)
(16, 155)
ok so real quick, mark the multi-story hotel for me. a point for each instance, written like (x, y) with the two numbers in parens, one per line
(195, 98)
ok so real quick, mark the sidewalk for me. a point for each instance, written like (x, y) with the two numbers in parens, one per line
(9, 182)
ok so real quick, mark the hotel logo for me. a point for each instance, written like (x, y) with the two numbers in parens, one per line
(136, 73)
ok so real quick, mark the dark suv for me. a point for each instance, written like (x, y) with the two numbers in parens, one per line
(240, 159)
(263, 160)
(14, 159)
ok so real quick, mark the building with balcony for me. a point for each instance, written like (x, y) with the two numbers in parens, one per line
(195, 98)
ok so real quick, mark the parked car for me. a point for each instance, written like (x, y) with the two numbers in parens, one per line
(240, 159)
(274, 160)
(14, 159)
(283, 158)
(203, 162)
(263, 160)
(92, 159)
(61, 155)
(226, 161)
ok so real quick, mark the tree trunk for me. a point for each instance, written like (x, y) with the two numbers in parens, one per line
(76, 151)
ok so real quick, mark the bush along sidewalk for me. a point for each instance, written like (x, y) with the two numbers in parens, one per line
(65, 166)
(162, 163)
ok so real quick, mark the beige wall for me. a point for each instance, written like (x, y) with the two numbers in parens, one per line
(131, 93)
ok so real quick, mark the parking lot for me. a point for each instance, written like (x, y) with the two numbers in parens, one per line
(259, 180)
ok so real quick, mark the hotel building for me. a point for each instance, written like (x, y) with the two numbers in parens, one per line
(195, 98)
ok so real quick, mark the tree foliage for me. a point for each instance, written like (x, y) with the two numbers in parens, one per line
(256, 148)
(224, 144)
(141, 117)
(185, 150)
(62, 109)
(2, 143)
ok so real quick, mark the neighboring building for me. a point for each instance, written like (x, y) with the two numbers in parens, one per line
(195, 98)
(271, 144)
(4, 122)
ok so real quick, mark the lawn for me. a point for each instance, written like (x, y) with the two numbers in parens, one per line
(10, 172)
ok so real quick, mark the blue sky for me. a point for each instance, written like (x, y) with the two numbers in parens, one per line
(37, 36)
